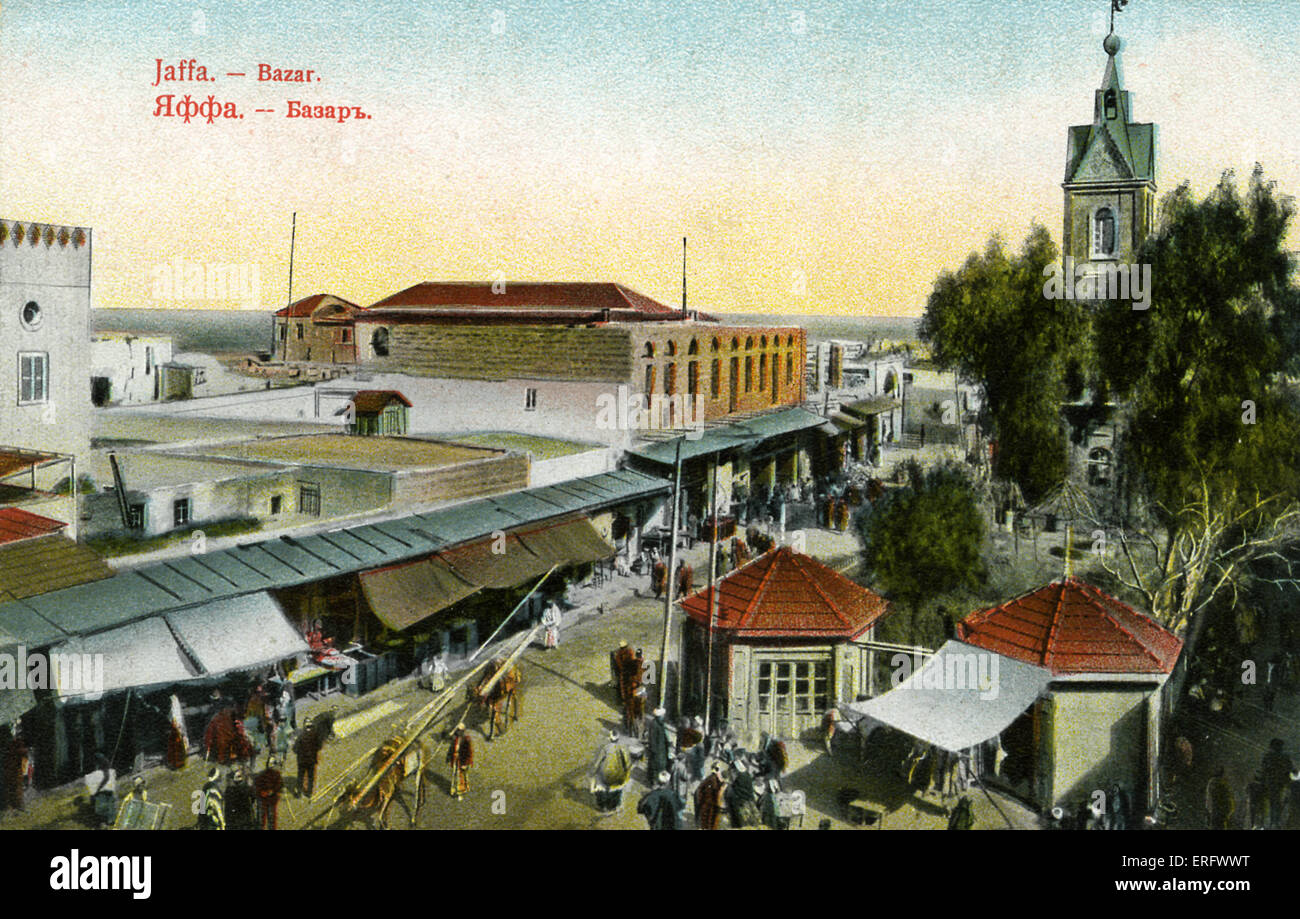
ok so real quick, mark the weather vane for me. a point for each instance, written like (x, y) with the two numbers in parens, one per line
(1116, 6)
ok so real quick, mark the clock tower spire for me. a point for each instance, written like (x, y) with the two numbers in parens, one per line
(1110, 174)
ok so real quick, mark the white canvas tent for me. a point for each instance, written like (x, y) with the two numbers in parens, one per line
(960, 697)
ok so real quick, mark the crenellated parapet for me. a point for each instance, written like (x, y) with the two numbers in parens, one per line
(17, 233)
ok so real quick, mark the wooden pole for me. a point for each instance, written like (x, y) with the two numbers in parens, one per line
(672, 577)
(513, 611)
(713, 589)
(433, 709)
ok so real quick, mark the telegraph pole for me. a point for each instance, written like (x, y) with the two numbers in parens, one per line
(713, 603)
(672, 578)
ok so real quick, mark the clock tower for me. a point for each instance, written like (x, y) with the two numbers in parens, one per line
(1110, 178)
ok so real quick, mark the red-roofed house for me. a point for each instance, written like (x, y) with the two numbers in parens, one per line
(785, 640)
(1099, 722)
(317, 328)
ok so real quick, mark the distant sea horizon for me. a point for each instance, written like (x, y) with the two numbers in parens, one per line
(250, 330)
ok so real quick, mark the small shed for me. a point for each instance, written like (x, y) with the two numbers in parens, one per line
(786, 640)
(378, 411)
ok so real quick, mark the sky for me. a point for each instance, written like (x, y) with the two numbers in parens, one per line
(822, 157)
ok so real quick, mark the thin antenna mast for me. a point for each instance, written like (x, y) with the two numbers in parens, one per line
(684, 313)
(293, 238)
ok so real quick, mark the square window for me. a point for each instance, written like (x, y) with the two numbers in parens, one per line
(276, 502)
(180, 512)
(530, 400)
(135, 516)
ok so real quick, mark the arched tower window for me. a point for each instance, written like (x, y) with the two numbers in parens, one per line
(1103, 232)
(1112, 109)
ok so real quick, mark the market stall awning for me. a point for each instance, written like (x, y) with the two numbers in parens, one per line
(573, 542)
(236, 633)
(402, 595)
(497, 563)
(846, 421)
(961, 697)
(876, 405)
(143, 653)
(14, 702)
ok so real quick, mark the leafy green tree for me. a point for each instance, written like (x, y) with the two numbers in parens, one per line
(991, 322)
(1213, 427)
(925, 539)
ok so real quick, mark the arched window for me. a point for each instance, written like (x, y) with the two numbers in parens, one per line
(749, 343)
(1111, 108)
(379, 342)
(672, 348)
(764, 341)
(1103, 232)
(649, 349)
(715, 344)
(693, 347)
(735, 343)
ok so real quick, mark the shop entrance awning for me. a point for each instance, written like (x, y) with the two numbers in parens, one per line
(496, 563)
(402, 595)
(237, 633)
(143, 653)
(869, 408)
(847, 422)
(14, 702)
(573, 542)
(961, 697)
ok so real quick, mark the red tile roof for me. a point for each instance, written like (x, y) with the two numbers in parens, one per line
(307, 305)
(1071, 627)
(371, 401)
(566, 301)
(782, 594)
(16, 524)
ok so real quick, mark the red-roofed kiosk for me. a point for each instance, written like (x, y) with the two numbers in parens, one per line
(786, 634)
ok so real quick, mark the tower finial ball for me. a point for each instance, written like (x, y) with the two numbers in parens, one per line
(1111, 44)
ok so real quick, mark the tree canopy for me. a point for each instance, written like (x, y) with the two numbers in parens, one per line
(1213, 427)
(990, 321)
(925, 539)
